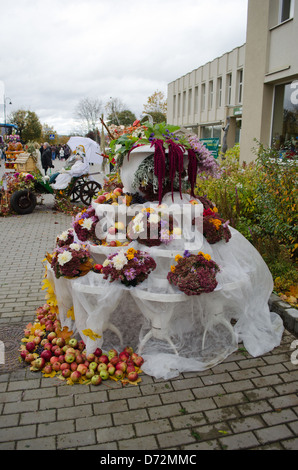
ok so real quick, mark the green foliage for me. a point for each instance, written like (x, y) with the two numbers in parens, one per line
(260, 201)
(29, 126)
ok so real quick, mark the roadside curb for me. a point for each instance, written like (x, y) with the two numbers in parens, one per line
(288, 313)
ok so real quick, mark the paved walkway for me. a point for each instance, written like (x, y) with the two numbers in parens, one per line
(243, 403)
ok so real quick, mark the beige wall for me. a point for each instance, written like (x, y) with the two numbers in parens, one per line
(270, 58)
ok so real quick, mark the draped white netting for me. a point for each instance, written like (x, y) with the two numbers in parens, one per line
(172, 331)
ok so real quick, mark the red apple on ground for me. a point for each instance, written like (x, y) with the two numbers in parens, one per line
(90, 373)
(75, 376)
(73, 342)
(47, 369)
(101, 199)
(69, 357)
(60, 342)
(30, 346)
(66, 373)
(97, 352)
(82, 369)
(90, 357)
(73, 366)
(104, 374)
(93, 365)
(114, 360)
(96, 380)
(29, 358)
(38, 363)
(37, 340)
(102, 366)
(130, 368)
(56, 366)
(132, 376)
(111, 369)
(54, 359)
(124, 356)
(128, 350)
(139, 361)
(112, 353)
(103, 358)
(46, 355)
(64, 366)
(121, 366)
(118, 374)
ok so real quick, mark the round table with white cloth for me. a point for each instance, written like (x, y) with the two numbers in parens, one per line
(172, 331)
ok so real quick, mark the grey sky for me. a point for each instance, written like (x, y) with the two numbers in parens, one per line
(54, 53)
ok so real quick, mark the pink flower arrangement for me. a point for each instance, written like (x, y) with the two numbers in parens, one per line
(84, 225)
(194, 274)
(130, 268)
(65, 238)
(70, 261)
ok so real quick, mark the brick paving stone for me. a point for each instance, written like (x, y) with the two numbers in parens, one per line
(245, 440)
(157, 426)
(273, 433)
(242, 403)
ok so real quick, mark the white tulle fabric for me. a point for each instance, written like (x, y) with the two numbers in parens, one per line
(174, 332)
(78, 169)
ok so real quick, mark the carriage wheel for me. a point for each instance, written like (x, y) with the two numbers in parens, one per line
(75, 194)
(88, 191)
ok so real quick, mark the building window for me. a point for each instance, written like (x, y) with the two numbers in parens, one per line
(211, 132)
(196, 110)
(211, 94)
(184, 103)
(286, 10)
(240, 85)
(190, 101)
(219, 92)
(179, 105)
(174, 106)
(285, 118)
(203, 97)
(229, 89)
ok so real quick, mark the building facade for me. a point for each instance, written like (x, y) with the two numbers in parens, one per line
(250, 92)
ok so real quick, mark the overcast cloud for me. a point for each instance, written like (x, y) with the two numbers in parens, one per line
(56, 52)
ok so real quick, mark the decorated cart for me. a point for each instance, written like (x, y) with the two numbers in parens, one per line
(152, 264)
(26, 182)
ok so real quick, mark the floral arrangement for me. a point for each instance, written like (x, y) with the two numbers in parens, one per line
(84, 224)
(215, 228)
(151, 227)
(165, 170)
(17, 181)
(65, 238)
(70, 261)
(131, 267)
(194, 274)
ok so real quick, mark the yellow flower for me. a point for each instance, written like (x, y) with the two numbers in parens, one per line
(206, 256)
(216, 223)
(177, 257)
(130, 253)
(173, 268)
(215, 209)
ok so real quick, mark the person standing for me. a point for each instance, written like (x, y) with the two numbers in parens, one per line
(46, 157)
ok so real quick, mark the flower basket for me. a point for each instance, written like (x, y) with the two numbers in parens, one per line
(66, 238)
(84, 225)
(70, 261)
(130, 268)
(194, 274)
(151, 228)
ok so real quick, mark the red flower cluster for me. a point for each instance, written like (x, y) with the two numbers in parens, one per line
(194, 274)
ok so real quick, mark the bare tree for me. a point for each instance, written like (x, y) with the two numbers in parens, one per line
(113, 108)
(89, 112)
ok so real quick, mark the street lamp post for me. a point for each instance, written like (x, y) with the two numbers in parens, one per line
(6, 98)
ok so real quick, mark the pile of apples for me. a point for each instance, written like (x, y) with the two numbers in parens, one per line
(48, 352)
(109, 197)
